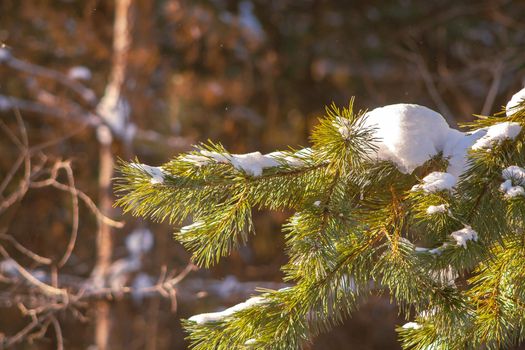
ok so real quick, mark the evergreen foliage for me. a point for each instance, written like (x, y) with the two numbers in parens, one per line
(354, 233)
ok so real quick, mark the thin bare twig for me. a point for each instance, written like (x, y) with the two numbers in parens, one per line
(45, 288)
(18, 337)
(58, 332)
(30, 254)
(432, 89)
(74, 225)
(494, 87)
(35, 70)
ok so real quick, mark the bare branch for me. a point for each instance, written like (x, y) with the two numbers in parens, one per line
(45, 288)
(74, 226)
(30, 254)
(58, 332)
(494, 87)
(86, 94)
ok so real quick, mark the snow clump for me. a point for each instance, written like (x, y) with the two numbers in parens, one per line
(437, 181)
(5, 54)
(140, 285)
(5, 103)
(79, 73)
(464, 235)
(156, 173)
(411, 325)
(408, 134)
(434, 209)
(497, 133)
(218, 316)
(513, 103)
(195, 226)
(139, 241)
(253, 163)
(514, 177)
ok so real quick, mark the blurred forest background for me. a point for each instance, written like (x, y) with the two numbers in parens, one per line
(85, 82)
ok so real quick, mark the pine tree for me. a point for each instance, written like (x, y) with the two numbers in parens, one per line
(389, 201)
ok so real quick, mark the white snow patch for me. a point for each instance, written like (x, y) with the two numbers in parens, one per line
(218, 157)
(141, 282)
(515, 191)
(140, 241)
(5, 103)
(5, 54)
(457, 147)
(79, 73)
(464, 235)
(194, 226)
(412, 325)
(408, 134)
(156, 173)
(505, 186)
(218, 316)
(294, 160)
(248, 20)
(438, 250)
(513, 103)
(514, 173)
(115, 111)
(196, 159)
(437, 181)
(434, 209)
(514, 177)
(497, 133)
(251, 163)
(435, 251)
(206, 157)
(227, 287)
(250, 342)
(119, 272)
(9, 267)
(343, 126)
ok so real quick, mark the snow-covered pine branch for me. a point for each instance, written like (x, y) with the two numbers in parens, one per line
(392, 199)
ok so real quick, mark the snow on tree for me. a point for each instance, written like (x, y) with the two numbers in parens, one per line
(392, 200)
